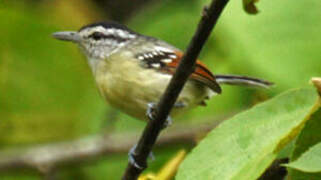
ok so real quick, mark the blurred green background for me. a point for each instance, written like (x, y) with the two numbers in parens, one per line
(47, 92)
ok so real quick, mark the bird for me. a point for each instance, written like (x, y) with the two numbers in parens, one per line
(132, 70)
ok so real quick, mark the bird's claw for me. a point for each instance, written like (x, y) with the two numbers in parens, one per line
(150, 111)
(151, 115)
(131, 157)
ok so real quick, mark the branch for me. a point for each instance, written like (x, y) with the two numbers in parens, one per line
(185, 68)
(46, 158)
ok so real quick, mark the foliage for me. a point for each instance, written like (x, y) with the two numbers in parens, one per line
(308, 161)
(168, 171)
(305, 144)
(47, 92)
(244, 146)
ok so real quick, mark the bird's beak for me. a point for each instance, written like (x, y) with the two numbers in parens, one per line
(67, 36)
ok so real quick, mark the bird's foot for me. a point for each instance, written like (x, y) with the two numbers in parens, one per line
(132, 161)
(151, 115)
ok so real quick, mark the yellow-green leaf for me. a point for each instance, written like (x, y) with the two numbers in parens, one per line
(244, 146)
(309, 136)
(310, 161)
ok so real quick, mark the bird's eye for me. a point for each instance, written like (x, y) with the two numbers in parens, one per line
(96, 35)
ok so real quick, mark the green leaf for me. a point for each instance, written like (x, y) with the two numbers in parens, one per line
(309, 136)
(310, 161)
(244, 146)
(249, 6)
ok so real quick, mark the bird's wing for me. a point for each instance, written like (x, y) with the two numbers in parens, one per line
(166, 60)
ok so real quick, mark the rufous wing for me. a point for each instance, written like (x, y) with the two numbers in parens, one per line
(201, 73)
(166, 60)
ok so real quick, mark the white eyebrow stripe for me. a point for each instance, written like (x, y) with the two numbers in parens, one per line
(95, 29)
(111, 31)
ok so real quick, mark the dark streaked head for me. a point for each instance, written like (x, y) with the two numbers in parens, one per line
(99, 40)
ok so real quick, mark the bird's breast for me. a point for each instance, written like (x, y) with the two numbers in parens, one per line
(129, 87)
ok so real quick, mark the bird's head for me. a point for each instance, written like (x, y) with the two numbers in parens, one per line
(99, 40)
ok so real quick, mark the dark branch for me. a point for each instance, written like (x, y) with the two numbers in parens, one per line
(185, 68)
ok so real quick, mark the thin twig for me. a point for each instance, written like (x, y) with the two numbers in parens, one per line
(185, 68)
(47, 157)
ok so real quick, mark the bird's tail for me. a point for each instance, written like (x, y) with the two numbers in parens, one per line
(242, 81)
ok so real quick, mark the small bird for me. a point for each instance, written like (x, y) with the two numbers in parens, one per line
(133, 70)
